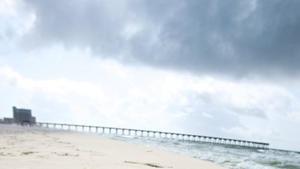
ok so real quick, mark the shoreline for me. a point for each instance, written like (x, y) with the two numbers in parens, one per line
(40, 148)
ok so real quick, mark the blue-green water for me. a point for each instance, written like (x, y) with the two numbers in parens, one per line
(228, 156)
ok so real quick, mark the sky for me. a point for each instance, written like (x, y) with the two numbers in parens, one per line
(211, 67)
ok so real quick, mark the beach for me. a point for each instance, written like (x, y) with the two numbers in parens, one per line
(35, 148)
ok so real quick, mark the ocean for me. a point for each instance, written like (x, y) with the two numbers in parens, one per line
(231, 157)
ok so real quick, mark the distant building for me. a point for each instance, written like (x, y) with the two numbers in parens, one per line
(20, 116)
(7, 120)
(23, 116)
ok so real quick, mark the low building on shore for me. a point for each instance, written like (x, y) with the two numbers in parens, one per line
(8, 120)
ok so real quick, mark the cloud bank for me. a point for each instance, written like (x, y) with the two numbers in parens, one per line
(202, 36)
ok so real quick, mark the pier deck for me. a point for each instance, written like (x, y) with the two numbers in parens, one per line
(152, 133)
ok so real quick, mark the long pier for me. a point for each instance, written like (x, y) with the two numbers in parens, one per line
(152, 133)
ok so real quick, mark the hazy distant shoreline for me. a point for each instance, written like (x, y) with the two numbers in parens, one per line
(34, 148)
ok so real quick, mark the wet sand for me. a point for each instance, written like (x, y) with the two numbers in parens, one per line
(34, 148)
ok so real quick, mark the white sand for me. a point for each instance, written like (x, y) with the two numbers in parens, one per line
(29, 148)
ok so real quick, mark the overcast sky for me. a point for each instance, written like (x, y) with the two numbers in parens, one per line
(221, 68)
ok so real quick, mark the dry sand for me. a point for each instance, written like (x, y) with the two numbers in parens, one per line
(32, 148)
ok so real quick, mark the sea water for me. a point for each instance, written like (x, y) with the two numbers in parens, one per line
(232, 157)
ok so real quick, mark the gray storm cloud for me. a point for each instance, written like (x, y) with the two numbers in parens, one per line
(203, 36)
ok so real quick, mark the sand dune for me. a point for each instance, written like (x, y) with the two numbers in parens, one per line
(33, 148)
